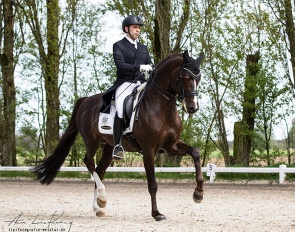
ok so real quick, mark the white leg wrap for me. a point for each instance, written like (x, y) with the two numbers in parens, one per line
(100, 186)
(99, 193)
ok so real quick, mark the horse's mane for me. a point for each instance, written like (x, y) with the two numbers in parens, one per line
(168, 58)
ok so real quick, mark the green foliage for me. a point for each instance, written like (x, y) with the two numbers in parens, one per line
(28, 145)
(227, 31)
(77, 153)
(247, 176)
(16, 174)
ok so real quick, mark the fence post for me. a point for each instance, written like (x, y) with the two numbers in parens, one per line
(282, 173)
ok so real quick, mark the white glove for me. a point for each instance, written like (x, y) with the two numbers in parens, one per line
(145, 68)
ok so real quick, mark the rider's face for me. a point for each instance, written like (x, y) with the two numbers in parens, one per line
(134, 31)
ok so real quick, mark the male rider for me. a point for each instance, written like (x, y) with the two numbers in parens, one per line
(131, 59)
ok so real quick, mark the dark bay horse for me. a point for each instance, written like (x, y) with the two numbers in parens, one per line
(158, 127)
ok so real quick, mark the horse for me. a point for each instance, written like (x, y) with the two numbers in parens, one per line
(157, 128)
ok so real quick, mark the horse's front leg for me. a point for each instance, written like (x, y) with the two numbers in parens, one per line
(199, 192)
(182, 149)
(149, 164)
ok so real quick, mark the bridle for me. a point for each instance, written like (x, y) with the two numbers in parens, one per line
(182, 94)
(193, 76)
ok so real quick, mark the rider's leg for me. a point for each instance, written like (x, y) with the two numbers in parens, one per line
(118, 151)
(121, 93)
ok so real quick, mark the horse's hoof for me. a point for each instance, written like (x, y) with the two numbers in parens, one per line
(160, 217)
(100, 213)
(198, 196)
(101, 203)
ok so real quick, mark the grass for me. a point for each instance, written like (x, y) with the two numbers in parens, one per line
(108, 175)
(160, 175)
(16, 174)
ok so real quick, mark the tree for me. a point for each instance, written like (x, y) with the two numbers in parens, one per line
(1, 87)
(80, 65)
(290, 142)
(49, 57)
(8, 87)
(283, 10)
(271, 97)
(244, 130)
(83, 57)
(51, 70)
(223, 45)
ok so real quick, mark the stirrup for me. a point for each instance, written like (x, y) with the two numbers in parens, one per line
(118, 152)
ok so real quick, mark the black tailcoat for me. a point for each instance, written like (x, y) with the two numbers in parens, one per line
(127, 60)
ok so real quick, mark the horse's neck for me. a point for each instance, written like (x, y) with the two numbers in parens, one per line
(160, 100)
(160, 94)
(156, 106)
(166, 73)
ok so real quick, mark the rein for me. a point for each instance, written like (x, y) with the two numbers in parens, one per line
(161, 91)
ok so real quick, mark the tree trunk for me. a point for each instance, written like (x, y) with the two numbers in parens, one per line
(290, 31)
(9, 100)
(1, 87)
(238, 155)
(1, 129)
(223, 144)
(161, 47)
(51, 77)
(248, 118)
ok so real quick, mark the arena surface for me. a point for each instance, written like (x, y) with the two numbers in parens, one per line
(26, 205)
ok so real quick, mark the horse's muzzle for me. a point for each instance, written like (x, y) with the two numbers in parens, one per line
(191, 107)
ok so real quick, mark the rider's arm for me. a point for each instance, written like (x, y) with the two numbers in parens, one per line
(120, 62)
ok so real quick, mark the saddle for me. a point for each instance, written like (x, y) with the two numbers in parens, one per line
(130, 109)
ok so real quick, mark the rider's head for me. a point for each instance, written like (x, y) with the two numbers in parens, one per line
(131, 26)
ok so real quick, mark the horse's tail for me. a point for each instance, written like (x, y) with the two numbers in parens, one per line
(48, 169)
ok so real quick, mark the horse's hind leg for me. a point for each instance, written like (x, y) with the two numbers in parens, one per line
(99, 190)
(104, 163)
(100, 199)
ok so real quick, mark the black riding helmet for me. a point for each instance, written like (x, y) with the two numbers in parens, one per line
(131, 20)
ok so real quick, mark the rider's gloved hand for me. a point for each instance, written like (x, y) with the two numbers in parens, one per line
(145, 68)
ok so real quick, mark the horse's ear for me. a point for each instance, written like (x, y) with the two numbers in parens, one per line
(200, 58)
(186, 57)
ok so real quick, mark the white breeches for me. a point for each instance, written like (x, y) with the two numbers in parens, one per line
(121, 93)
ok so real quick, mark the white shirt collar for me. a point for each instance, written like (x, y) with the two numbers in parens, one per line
(132, 41)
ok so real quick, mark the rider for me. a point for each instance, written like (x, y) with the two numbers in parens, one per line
(131, 59)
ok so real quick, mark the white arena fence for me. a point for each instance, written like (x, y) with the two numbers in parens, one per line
(210, 169)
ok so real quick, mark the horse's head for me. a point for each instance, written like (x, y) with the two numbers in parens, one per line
(188, 81)
(184, 74)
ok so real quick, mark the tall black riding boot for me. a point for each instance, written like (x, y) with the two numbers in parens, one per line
(118, 151)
